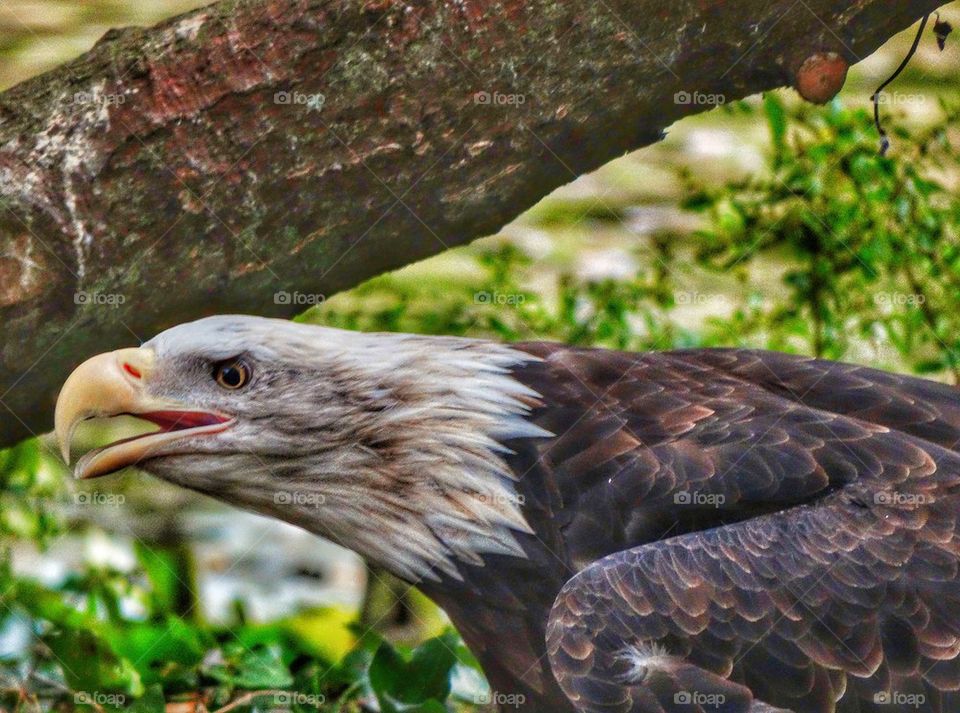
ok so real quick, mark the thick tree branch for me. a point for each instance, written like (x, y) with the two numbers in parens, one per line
(165, 171)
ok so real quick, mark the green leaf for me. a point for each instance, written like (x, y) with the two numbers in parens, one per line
(89, 663)
(166, 571)
(261, 668)
(166, 652)
(697, 202)
(151, 702)
(777, 121)
(409, 683)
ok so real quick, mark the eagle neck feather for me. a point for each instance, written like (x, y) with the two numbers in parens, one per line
(431, 419)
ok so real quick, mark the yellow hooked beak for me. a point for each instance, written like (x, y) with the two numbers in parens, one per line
(114, 384)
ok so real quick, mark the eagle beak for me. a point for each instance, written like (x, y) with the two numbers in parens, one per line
(114, 384)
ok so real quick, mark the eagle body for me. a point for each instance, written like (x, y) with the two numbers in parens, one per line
(688, 531)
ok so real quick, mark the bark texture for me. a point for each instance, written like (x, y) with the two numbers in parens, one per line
(257, 148)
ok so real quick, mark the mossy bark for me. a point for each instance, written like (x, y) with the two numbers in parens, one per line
(260, 147)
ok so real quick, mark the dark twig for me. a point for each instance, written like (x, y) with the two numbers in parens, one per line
(942, 29)
(884, 139)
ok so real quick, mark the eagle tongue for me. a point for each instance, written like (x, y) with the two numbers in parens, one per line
(180, 420)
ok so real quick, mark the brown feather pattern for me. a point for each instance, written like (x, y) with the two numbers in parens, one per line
(752, 532)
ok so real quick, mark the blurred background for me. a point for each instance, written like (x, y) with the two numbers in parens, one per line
(767, 223)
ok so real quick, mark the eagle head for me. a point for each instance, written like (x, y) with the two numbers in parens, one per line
(389, 444)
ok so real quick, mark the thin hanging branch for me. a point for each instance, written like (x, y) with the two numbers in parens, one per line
(884, 138)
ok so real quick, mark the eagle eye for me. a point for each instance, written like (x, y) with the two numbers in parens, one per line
(232, 374)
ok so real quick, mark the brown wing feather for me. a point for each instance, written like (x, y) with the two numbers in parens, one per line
(657, 444)
(804, 501)
(918, 407)
(796, 609)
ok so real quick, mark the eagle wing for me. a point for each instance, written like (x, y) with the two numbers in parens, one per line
(754, 532)
(796, 610)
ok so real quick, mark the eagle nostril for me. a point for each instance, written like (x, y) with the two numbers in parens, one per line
(133, 371)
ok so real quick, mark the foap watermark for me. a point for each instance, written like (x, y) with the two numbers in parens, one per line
(899, 299)
(99, 699)
(499, 298)
(313, 102)
(697, 698)
(99, 499)
(903, 98)
(502, 498)
(698, 499)
(299, 498)
(499, 99)
(900, 699)
(688, 297)
(499, 699)
(100, 299)
(698, 98)
(301, 299)
(97, 98)
(288, 699)
(897, 498)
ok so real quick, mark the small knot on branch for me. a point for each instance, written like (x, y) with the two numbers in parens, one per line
(821, 76)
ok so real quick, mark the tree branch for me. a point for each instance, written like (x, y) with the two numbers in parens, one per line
(262, 146)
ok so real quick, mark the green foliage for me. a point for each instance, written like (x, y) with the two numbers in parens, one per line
(26, 489)
(868, 243)
(105, 640)
(498, 305)
(832, 250)
(417, 682)
(90, 655)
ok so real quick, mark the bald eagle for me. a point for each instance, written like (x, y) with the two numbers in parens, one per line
(685, 531)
